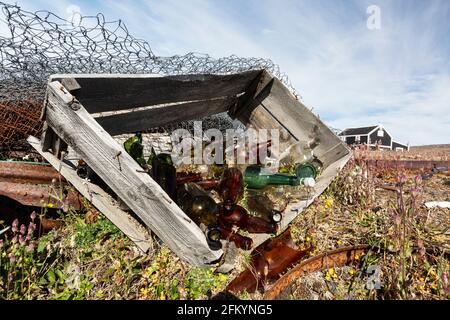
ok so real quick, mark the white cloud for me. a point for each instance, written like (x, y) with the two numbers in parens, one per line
(177, 27)
(73, 14)
(398, 76)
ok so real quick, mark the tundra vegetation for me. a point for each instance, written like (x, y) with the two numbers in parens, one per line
(89, 258)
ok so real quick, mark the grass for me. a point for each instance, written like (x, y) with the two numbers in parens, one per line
(89, 258)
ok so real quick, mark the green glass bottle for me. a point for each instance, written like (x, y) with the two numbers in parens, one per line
(309, 169)
(133, 146)
(164, 173)
(255, 177)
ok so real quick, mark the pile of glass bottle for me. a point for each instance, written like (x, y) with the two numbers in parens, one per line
(224, 219)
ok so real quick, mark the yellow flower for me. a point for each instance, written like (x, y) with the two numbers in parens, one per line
(144, 291)
(352, 271)
(99, 294)
(331, 271)
(50, 205)
(422, 280)
(308, 238)
(357, 257)
(339, 242)
(328, 203)
(327, 277)
(421, 287)
(433, 286)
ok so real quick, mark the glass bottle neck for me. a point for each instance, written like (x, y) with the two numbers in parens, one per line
(282, 179)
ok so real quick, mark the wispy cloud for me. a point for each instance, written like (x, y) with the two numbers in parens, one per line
(398, 75)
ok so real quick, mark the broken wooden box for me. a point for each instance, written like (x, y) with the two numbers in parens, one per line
(85, 111)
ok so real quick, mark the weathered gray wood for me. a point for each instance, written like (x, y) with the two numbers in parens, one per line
(160, 116)
(122, 174)
(100, 199)
(255, 115)
(254, 89)
(47, 137)
(51, 141)
(281, 104)
(58, 146)
(100, 93)
(71, 84)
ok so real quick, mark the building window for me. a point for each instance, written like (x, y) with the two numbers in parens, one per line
(380, 133)
(358, 138)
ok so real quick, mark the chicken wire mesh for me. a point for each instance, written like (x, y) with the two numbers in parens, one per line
(34, 45)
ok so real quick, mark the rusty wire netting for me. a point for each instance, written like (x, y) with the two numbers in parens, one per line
(35, 45)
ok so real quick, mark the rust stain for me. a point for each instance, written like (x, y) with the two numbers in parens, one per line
(335, 258)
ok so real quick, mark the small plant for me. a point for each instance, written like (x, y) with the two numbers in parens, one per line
(354, 186)
(201, 282)
(17, 268)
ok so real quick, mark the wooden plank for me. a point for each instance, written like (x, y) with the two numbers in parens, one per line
(51, 141)
(160, 116)
(99, 199)
(255, 88)
(254, 114)
(123, 175)
(300, 121)
(47, 137)
(71, 85)
(58, 146)
(100, 93)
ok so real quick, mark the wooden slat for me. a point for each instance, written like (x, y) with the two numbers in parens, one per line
(122, 174)
(254, 114)
(160, 116)
(254, 89)
(100, 93)
(281, 104)
(50, 140)
(100, 199)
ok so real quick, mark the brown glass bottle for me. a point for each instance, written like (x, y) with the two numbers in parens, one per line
(231, 187)
(203, 210)
(261, 204)
(238, 216)
(186, 177)
(209, 184)
(241, 242)
(164, 173)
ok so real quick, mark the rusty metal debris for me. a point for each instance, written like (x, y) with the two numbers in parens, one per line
(36, 185)
(269, 261)
(335, 258)
(27, 172)
(19, 119)
(409, 164)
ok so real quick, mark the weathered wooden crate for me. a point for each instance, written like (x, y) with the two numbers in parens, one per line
(129, 103)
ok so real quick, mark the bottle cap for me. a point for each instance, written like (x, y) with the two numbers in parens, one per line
(213, 236)
(276, 216)
(309, 182)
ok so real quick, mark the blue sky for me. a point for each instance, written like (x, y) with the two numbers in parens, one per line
(398, 76)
